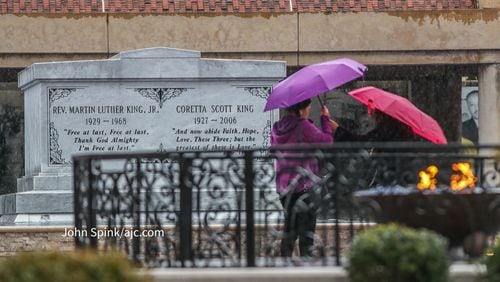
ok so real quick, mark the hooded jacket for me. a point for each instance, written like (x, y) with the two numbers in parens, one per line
(297, 175)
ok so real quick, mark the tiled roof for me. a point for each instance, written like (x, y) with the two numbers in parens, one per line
(227, 6)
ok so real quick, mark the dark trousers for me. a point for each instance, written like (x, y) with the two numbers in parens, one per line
(300, 222)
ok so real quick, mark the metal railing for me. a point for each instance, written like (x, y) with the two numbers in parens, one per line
(220, 209)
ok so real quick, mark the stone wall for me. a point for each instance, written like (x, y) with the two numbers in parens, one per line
(14, 240)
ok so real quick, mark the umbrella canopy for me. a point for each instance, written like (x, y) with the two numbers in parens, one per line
(313, 80)
(401, 109)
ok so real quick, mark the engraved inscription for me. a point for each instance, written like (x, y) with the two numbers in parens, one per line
(218, 117)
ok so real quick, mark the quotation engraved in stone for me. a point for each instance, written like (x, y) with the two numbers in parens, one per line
(55, 152)
(259, 91)
(58, 93)
(160, 95)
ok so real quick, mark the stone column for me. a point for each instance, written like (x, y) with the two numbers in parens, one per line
(489, 104)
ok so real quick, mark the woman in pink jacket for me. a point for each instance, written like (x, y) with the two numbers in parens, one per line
(295, 177)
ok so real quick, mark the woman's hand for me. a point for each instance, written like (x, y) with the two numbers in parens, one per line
(325, 111)
(334, 125)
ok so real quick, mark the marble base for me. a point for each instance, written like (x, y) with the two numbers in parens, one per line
(40, 200)
(45, 182)
(44, 219)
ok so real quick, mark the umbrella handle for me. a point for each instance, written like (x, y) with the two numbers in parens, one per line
(320, 101)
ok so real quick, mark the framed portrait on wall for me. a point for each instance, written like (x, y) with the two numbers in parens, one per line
(470, 113)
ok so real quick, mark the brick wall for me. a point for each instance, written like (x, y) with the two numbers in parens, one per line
(19, 239)
(29, 239)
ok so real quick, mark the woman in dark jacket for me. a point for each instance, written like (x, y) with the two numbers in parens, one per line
(382, 170)
(387, 129)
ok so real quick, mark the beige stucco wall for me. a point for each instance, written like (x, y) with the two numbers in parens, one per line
(400, 31)
(25, 39)
(460, 37)
(262, 36)
(52, 34)
(225, 33)
(375, 38)
(489, 4)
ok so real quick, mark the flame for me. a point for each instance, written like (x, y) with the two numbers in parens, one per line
(463, 178)
(428, 178)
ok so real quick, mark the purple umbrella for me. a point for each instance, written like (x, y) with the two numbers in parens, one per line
(313, 80)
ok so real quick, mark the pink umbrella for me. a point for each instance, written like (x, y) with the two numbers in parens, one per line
(401, 109)
(313, 80)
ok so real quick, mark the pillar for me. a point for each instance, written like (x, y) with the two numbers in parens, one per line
(489, 104)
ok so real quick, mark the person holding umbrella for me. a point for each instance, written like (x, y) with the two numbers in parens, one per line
(397, 118)
(387, 129)
(295, 176)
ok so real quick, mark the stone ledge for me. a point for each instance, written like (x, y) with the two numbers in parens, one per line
(34, 229)
(459, 272)
(21, 238)
(275, 274)
(15, 240)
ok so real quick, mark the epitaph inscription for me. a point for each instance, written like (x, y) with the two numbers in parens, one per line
(124, 119)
